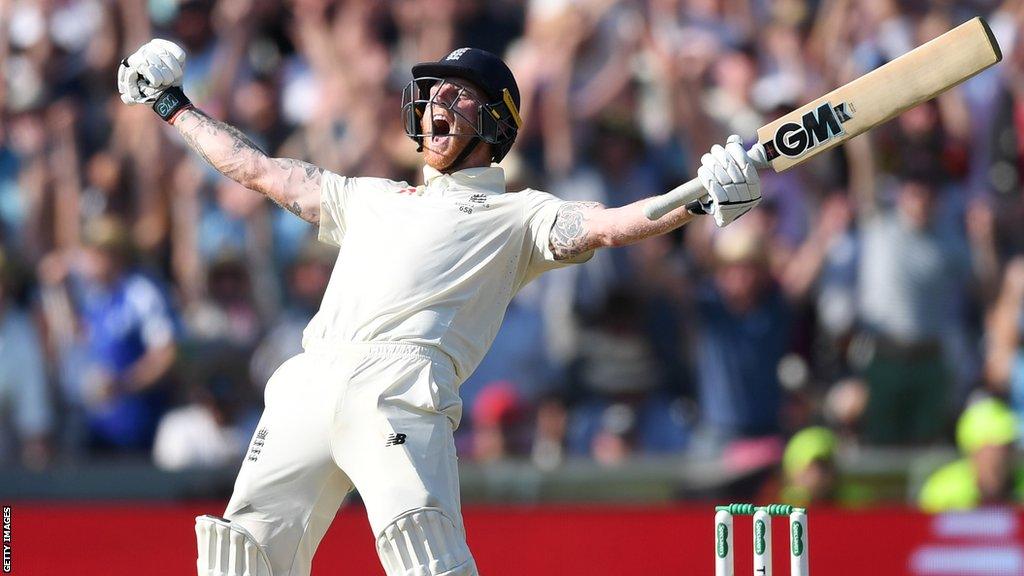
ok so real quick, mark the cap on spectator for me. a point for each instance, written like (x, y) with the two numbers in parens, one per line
(807, 446)
(498, 403)
(109, 234)
(987, 422)
(739, 245)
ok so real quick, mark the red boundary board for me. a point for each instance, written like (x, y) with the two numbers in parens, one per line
(158, 539)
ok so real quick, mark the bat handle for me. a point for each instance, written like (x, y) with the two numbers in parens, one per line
(679, 196)
(693, 190)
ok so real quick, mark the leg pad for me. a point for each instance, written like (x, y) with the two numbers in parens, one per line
(425, 542)
(227, 549)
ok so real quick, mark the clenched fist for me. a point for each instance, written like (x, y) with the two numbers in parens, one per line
(156, 66)
(152, 75)
(731, 181)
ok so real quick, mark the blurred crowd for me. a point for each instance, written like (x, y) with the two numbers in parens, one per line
(877, 291)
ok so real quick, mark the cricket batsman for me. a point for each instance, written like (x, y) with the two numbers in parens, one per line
(421, 283)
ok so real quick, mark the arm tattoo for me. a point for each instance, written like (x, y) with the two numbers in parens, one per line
(302, 179)
(237, 158)
(292, 184)
(569, 235)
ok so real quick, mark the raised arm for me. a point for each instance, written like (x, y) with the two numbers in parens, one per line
(584, 226)
(292, 184)
(152, 76)
(726, 173)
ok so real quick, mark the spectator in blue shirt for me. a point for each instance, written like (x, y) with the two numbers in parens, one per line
(743, 331)
(129, 334)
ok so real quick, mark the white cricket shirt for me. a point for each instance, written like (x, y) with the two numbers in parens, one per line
(435, 264)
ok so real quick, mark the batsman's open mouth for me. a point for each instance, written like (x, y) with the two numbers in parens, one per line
(440, 127)
(440, 132)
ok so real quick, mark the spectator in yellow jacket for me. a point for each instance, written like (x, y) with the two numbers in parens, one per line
(986, 433)
(809, 468)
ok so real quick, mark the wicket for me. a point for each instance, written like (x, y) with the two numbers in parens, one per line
(762, 542)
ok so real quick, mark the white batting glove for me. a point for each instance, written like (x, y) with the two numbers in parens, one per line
(731, 181)
(156, 66)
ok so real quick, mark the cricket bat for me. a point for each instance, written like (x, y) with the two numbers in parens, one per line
(919, 75)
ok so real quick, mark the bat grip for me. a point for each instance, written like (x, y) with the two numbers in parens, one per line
(679, 196)
(693, 190)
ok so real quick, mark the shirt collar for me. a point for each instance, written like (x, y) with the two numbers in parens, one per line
(488, 179)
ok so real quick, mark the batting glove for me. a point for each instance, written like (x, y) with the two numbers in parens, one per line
(731, 181)
(152, 75)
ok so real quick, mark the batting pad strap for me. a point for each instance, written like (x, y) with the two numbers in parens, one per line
(425, 542)
(170, 102)
(227, 549)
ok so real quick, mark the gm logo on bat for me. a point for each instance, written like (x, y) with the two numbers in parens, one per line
(816, 127)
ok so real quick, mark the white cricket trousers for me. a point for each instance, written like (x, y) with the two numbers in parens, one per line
(378, 417)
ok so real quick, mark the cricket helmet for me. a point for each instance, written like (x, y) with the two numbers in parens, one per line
(497, 122)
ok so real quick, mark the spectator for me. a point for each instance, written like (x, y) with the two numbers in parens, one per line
(307, 280)
(911, 270)
(743, 323)
(1005, 362)
(499, 423)
(809, 467)
(988, 474)
(616, 97)
(211, 431)
(548, 449)
(228, 315)
(26, 410)
(129, 337)
(624, 405)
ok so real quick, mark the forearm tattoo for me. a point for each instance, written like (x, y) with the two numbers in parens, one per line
(301, 179)
(223, 146)
(569, 235)
(284, 180)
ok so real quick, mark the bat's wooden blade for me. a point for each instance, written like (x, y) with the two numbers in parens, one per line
(877, 96)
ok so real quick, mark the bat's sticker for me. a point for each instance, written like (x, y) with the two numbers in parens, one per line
(816, 127)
